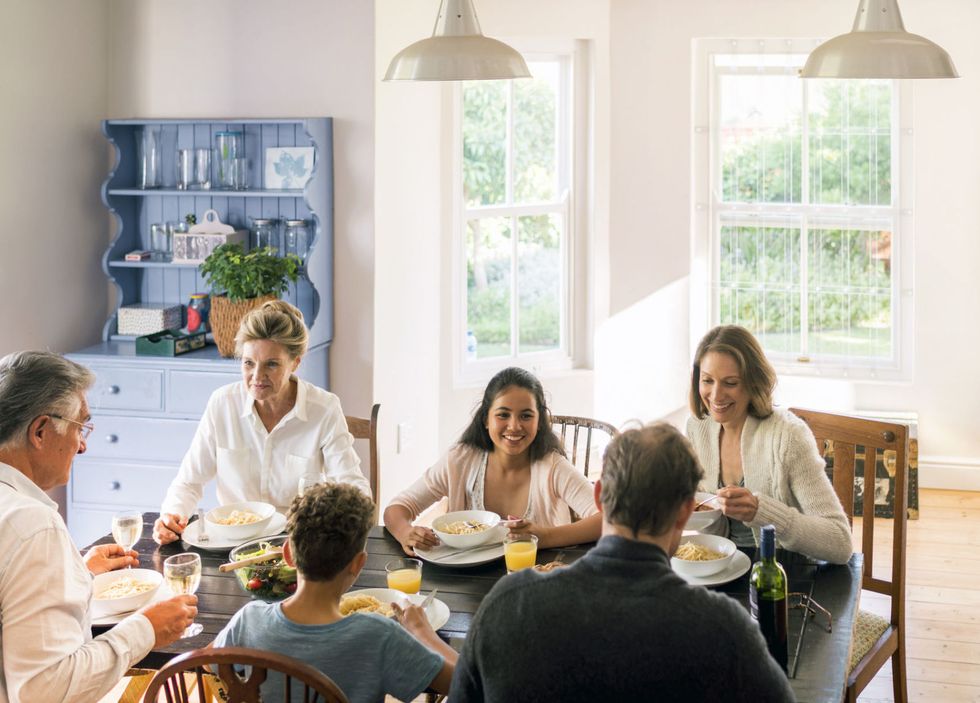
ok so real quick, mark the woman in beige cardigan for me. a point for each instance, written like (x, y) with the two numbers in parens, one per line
(762, 461)
(508, 461)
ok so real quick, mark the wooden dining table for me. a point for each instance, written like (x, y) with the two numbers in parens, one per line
(818, 659)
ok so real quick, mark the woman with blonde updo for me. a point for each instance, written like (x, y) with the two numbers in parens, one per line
(260, 434)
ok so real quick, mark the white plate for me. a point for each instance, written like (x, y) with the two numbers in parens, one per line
(739, 565)
(437, 612)
(276, 525)
(99, 618)
(447, 556)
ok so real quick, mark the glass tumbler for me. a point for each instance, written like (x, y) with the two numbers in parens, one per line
(148, 157)
(229, 147)
(161, 241)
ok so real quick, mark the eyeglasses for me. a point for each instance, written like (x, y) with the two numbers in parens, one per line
(804, 602)
(87, 427)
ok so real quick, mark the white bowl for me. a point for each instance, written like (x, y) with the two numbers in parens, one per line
(704, 517)
(705, 568)
(114, 606)
(265, 511)
(471, 540)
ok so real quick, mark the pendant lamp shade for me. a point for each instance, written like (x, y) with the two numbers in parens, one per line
(879, 47)
(457, 51)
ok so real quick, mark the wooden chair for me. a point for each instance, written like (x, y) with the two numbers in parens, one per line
(367, 428)
(186, 673)
(876, 639)
(564, 422)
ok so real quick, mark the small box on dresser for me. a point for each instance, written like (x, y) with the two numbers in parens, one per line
(148, 318)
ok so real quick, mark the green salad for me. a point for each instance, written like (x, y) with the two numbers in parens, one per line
(271, 580)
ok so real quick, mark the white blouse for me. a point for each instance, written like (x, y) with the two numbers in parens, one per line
(249, 463)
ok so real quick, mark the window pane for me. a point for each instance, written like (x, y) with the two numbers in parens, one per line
(484, 142)
(850, 142)
(539, 282)
(536, 134)
(488, 284)
(760, 138)
(760, 283)
(850, 293)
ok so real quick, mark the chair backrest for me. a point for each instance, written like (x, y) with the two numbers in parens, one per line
(579, 444)
(367, 428)
(185, 674)
(884, 442)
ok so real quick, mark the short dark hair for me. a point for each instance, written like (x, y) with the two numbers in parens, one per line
(476, 435)
(328, 526)
(647, 474)
(757, 373)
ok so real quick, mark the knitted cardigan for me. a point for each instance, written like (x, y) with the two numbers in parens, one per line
(783, 468)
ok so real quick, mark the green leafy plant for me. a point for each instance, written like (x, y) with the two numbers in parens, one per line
(232, 271)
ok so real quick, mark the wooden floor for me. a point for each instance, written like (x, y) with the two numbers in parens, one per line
(942, 604)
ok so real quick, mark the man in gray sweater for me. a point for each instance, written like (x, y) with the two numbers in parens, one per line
(618, 624)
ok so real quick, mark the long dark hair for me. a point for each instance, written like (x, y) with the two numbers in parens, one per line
(476, 435)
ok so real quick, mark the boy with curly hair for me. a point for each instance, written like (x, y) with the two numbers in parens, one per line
(367, 655)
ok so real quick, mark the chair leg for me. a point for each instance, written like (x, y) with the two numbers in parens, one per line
(899, 674)
(850, 694)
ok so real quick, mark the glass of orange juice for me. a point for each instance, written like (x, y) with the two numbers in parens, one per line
(520, 551)
(404, 575)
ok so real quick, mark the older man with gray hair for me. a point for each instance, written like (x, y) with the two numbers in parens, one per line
(618, 624)
(46, 646)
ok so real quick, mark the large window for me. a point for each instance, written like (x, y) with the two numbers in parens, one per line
(805, 222)
(514, 230)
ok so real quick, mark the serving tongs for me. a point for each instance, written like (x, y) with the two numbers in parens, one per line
(272, 553)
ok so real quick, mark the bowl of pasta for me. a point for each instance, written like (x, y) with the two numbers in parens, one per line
(239, 521)
(702, 555)
(463, 529)
(124, 590)
(704, 515)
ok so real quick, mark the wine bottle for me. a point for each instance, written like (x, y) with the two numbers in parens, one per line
(767, 597)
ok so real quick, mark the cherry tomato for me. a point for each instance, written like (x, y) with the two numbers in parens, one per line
(291, 587)
(255, 583)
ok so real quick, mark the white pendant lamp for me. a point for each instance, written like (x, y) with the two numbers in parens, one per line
(879, 47)
(457, 51)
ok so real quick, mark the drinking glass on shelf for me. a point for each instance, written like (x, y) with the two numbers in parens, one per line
(182, 572)
(307, 481)
(404, 575)
(127, 528)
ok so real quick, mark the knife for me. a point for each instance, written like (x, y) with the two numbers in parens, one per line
(428, 599)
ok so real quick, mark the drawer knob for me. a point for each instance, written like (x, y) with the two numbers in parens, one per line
(114, 485)
(113, 390)
(112, 438)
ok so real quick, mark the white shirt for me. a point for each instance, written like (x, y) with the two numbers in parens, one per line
(250, 463)
(46, 643)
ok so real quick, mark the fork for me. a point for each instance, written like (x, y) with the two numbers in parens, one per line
(202, 535)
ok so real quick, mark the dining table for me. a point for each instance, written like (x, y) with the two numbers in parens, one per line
(819, 645)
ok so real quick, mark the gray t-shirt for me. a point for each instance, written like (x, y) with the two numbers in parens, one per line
(366, 655)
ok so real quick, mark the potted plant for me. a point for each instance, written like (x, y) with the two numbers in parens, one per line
(242, 281)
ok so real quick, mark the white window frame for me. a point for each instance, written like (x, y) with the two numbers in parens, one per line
(574, 158)
(708, 210)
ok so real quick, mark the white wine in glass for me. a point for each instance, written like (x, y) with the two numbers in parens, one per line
(127, 528)
(182, 572)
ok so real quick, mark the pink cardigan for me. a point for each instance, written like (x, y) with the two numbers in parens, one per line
(557, 487)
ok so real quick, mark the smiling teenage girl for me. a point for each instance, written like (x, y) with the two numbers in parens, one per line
(508, 461)
(259, 435)
(762, 461)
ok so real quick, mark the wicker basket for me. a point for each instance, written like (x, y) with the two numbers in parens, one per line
(226, 317)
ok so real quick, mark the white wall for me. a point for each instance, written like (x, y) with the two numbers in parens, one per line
(53, 73)
(414, 220)
(251, 58)
(651, 45)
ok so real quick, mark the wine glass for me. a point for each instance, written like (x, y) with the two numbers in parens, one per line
(182, 572)
(307, 481)
(127, 528)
